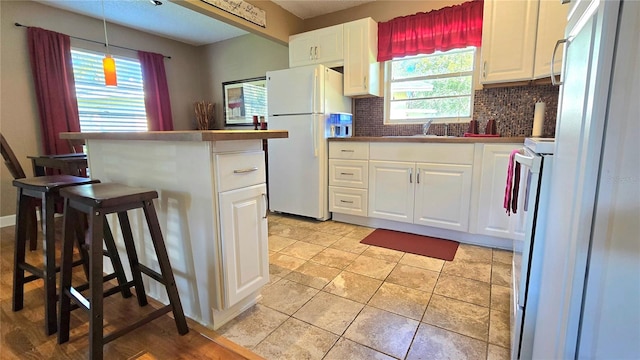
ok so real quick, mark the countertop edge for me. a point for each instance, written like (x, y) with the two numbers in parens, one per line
(188, 135)
(419, 139)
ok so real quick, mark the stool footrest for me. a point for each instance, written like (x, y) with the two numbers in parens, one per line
(151, 273)
(39, 273)
(148, 318)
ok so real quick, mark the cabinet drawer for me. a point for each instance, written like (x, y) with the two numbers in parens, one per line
(234, 171)
(349, 150)
(349, 173)
(348, 200)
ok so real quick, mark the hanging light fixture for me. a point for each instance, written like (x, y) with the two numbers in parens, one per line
(108, 63)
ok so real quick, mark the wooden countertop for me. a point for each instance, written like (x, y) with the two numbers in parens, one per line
(191, 135)
(433, 139)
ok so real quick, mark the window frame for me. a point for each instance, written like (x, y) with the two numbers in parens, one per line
(457, 119)
(135, 126)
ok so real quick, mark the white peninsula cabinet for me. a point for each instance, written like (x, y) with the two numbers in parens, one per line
(491, 218)
(322, 46)
(422, 184)
(518, 37)
(212, 209)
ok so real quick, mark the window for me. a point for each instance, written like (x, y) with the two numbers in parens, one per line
(438, 86)
(108, 108)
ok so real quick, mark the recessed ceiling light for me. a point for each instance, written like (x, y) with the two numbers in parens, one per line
(156, 2)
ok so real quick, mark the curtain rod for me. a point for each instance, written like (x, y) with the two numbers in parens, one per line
(95, 42)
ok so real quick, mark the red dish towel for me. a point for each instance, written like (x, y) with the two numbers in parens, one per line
(513, 182)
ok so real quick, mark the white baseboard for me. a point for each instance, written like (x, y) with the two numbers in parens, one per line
(466, 238)
(8, 220)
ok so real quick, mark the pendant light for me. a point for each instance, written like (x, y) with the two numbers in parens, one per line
(108, 63)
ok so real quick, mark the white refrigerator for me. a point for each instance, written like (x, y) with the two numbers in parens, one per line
(300, 100)
(589, 304)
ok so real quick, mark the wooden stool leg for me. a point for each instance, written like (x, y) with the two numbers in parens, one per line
(115, 260)
(95, 285)
(22, 207)
(127, 236)
(70, 217)
(165, 267)
(32, 226)
(49, 278)
(80, 228)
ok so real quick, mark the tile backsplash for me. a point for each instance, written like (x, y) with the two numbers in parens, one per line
(511, 107)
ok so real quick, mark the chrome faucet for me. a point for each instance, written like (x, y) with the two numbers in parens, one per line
(446, 129)
(425, 127)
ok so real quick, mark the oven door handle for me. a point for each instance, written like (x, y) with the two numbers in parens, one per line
(532, 162)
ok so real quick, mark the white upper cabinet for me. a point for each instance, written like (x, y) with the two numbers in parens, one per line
(508, 40)
(552, 20)
(518, 37)
(361, 68)
(322, 46)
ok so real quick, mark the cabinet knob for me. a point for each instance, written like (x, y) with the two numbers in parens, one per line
(316, 50)
(410, 176)
(310, 52)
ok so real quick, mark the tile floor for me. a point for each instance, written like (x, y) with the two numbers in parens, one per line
(331, 297)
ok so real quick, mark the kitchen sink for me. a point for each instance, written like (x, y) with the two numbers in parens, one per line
(433, 136)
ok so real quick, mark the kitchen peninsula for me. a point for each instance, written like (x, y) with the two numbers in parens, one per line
(212, 208)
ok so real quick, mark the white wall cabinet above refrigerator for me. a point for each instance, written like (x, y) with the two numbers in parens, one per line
(353, 45)
(361, 67)
(518, 38)
(323, 46)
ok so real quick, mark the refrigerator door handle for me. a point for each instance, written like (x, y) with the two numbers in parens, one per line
(315, 138)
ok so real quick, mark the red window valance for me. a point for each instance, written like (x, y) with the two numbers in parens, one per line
(448, 28)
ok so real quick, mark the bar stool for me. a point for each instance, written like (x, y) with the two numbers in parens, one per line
(46, 189)
(98, 200)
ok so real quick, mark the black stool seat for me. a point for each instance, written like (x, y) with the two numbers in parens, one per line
(46, 190)
(98, 200)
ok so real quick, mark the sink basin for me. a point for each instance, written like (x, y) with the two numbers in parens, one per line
(433, 136)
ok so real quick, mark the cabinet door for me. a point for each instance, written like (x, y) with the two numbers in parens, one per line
(391, 190)
(301, 49)
(244, 242)
(443, 194)
(492, 218)
(329, 48)
(552, 20)
(361, 69)
(508, 40)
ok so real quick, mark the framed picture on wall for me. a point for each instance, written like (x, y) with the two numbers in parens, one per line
(243, 99)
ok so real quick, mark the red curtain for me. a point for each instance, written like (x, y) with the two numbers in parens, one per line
(449, 28)
(50, 56)
(156, 91)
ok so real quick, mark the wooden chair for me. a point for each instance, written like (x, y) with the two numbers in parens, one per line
(15, 169)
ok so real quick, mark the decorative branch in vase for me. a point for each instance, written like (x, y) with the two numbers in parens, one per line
(204, 114)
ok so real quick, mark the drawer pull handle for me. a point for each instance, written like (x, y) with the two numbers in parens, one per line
(350, 174)
(247, 170)
(347, 202)
(347, 150)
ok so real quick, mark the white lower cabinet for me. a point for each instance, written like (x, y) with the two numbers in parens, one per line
(391, 190)
(348, 177)
(491, 218)
(429, 194)
(443, 196)
(244, 242)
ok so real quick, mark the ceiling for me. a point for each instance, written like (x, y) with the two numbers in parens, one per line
(179, 23)
(306, 9)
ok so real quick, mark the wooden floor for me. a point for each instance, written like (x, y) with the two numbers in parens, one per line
(23, 334)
